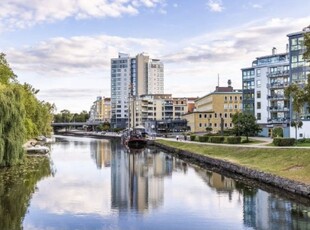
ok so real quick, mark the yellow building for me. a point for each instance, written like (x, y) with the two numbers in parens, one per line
(101, 109)
(211, 108)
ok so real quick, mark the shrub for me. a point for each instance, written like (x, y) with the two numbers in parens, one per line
(245, 141)
(304, 140)
(233, 140)
(217, 139)
(277, 132)
(192, 137)
(278, 141)
(203, 138)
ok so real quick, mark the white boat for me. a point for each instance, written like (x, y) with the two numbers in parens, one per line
(38, 149)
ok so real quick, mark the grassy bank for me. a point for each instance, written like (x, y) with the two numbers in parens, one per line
(289, 163)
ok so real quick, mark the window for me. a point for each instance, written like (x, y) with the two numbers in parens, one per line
(225, 125)
(200, 125)
(220, 115)
(210, 115)
(225, 115)
(258, 83)
(199, 115)
(225, 98)
(205, 115)
(236, 98)
(258, 116)
(215, 124)
(215, 115)
(258, 94)
(236, 106)
(258, 105)
(258, 72)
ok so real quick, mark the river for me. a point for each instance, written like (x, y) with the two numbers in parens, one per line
(97, 184)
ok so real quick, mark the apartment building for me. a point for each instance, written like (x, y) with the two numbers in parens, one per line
(101, 110)
(159, 112)
(264, 83)
(215, 110)
(133, 76)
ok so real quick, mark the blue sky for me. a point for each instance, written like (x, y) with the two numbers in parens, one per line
(64, 47)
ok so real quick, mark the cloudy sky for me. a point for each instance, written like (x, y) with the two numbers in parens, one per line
(64, 47)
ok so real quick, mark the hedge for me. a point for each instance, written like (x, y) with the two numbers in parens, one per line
(233, 140)
(217, 139)
(283, 141)
(203, 138)
(192, 137)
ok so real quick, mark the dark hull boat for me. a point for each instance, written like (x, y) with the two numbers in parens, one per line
(136, 142)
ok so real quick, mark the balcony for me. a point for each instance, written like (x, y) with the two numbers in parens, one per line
(277, 85)
(278, 73)
(276, 97)
(282, 120)
(277, 109)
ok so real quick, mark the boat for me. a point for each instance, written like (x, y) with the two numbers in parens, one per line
(136, 139)
(38, 149)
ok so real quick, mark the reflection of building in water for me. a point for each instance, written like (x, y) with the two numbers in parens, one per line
(266, 211)
(101, 152)
(221, 183)
(138, 179)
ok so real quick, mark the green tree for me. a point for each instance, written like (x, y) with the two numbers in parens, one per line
(6, 73)
(298, 98)
(245, 124)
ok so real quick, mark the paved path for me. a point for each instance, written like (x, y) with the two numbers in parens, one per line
(261, 145)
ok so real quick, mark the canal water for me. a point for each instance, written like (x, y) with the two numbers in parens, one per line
(98, 184)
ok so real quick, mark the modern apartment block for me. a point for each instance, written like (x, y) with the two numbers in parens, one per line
(101, 110)
(263, 91)
(263, 86)
(158, 112)
(215, 110)
(133, 77)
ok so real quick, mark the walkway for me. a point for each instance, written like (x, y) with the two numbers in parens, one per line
(262, 145)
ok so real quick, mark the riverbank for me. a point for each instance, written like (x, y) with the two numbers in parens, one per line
(288, 169)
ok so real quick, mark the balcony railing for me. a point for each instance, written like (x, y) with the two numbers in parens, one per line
(283, 120)
(276, 97)
(277, 108)
(279, 73)
(277, 85)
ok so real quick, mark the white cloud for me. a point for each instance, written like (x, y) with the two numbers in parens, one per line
(175, 5)
(22, 14)
(257, 6)
(80, 54)
(215, 5)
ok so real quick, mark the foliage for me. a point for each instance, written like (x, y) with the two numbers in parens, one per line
(304, 140)
(234, 140)
(209, 129)
(203, 138)
(278, 141)
(12, 129)
(192, 137)
(277, 132)
(22, 115)
(217, 139)
(245, 124)
(66, 116)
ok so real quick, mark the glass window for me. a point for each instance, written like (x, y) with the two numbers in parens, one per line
(258, 83)
(258, 105)
(258, 94)
(258, 116)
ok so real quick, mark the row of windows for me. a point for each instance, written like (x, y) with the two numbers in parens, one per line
(231, 106)
(215, 115)
(226, 125)
(231, 98)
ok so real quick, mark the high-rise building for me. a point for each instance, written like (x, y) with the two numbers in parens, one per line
(133, 77)
(264, 84)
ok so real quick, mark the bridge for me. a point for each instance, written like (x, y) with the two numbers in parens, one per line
(79, 124)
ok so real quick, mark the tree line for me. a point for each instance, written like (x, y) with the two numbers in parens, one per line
(22, 115)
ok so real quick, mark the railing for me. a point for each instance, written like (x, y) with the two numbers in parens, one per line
(284, 120)
(278, 73)
(277, 108)
(276, 85)
(276, 97)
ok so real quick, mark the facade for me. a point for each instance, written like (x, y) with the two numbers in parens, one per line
(101, 110)
(132, 76)
(264, 84)
(215, 110)
(158, 112)
(299, 69)
(263, 91)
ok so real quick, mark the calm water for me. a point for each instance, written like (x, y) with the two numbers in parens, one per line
(96, 184)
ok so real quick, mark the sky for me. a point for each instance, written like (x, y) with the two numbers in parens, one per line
(64, 47)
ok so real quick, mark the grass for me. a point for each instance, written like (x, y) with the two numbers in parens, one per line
(293, 164)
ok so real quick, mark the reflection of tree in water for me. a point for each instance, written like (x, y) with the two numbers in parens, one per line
(17, 184)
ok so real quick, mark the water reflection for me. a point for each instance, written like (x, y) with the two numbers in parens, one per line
(17, 184)
(100, 185)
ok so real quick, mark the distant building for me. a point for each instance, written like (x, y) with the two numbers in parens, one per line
(101, 110)
(215, 110)
(158, 112)
(133, 76)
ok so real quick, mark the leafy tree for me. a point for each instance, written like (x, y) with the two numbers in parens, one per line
(298, 99)
(6, 73)
(245, 124)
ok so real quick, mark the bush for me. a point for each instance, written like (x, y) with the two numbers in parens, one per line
(277, 132)
(283, 141)
(192, 137)
(203, 138)
(304, 140)
(245, 141)
(217, 139)
(233, 140)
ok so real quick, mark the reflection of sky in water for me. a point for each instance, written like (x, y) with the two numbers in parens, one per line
(147, 191)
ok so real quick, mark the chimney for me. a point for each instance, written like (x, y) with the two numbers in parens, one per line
(274, 51)
(229, 83)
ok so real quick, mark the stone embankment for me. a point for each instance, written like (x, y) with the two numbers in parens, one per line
(279, 182)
